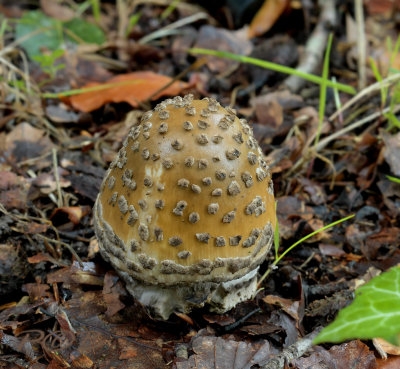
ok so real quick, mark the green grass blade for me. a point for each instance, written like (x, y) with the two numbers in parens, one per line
(276, 239)
(322, 93)
(3, 27)
(171, 7)
(96, 9)
(279, 258)
(394, 52)
(272, 66)
(310, 235)
(393, 179)
(104, 86)
(379, 79)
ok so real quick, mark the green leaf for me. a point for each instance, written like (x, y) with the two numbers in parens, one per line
(84, 31)
(375, 312)
(45, 30)
(48, 33)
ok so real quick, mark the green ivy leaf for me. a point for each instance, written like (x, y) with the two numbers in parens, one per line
(375, 312)
(85, 31)
(47, 32)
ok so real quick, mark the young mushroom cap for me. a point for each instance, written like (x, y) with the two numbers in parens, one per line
(186, 212)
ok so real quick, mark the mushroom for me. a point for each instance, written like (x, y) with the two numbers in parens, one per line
(186, 212)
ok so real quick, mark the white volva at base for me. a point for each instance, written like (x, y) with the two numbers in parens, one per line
(161, 302)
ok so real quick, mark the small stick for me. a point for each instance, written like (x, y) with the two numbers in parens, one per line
(361, 44)
(60, 201)
(292, 352)
(196, 65)
(315, 46)
(165, 31)
(324, 142)
(240, 321)
(377, 86)
(58, 242)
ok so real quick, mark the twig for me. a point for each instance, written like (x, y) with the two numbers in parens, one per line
(309, 152)
(196, 65)
(51, 195)
(354, 125)
(60, 201)
(292, 352)
(377, 86)
(58, 242)
(240, 321)
(361, 44)
(24, 218)
(172, 27)
(315, 47)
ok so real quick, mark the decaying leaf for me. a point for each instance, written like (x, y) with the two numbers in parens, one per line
(354, 354)
(392, 151)
(266, 17)
(131, 88)
(27, 142)
(384, 347)
(223, 40)
(215, 352)
(13, 190)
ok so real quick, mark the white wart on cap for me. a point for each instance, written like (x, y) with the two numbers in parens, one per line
(186, 212)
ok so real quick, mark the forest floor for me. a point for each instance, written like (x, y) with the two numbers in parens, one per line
(332, 151)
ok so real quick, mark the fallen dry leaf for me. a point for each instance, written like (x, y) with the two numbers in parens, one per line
(266, 17)
(386, 347)
(81, 360)
(390, 363)
(381, 7)
(26, 142)
(37, 291)
(38, 258)
(112, 290)
(74, 213)
(56, 10)
(128, 350)
(391, 193)
(260, 325)
(216, 352)
(17, 345)
(32, 227)
(291, 210)
(13, 190)
(353, 354)
(288, 306)
(131, 88)
(330, 250)
(45, 183)
(392, 151)
(268, 110)
(224, 40)
(87, 273)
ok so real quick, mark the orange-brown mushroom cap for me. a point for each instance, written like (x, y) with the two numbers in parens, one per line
(188, 198)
